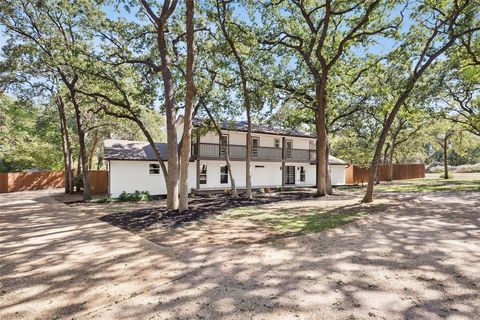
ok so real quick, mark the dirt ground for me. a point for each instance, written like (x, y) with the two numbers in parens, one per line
(416, 259)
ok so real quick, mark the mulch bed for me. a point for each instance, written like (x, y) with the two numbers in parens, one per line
(200, 207)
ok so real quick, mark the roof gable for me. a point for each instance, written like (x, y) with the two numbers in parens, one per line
(132, 150)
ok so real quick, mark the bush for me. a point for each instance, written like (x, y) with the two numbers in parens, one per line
(103, 200)
(268, 190)
(465, 168)
(135, 196)
(78, 182)
(261, 190)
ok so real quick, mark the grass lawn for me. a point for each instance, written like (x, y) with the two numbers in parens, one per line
(312, 219)
(432, 182)
(301, 220)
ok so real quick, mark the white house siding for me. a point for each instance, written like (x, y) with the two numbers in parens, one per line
(337, 173)
(130, 176)
(264, 174)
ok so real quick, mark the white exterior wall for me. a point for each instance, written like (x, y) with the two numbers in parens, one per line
(264, 174)
(130, 176)
(337, 174)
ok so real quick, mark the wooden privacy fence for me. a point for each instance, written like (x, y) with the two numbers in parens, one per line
(98, 180)
(359, 175)
(21, 181)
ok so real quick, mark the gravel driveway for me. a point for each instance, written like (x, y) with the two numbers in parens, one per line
(420, 259)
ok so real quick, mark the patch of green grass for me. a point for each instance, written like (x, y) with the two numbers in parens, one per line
(423, 185)
(300, 220)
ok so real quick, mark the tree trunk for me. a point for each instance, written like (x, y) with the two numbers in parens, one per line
(320, 124)
(187, 119)
(67, 146)
(381, 141)
(390, 161)
(328, 177)
(377, 175)
(445, 157)
(81, 142)
(248, 169)
(226, 153)
(154, 147)
(92, 151)
(99, 162)
(246, 97)
(172, 179)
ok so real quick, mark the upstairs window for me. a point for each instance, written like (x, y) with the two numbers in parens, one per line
(154, 168)
(255, 146)
(224, 174)
(276, 143)
(203, 175)
(223, 142)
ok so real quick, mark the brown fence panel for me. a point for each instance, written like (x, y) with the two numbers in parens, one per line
(3, 182)
(359, 175)
(98, 180)
(21, 181)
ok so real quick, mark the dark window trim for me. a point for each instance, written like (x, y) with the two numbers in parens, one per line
(224, 174)
(154, 168)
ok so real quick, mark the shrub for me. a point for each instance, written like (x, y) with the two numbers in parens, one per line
(78, 182)
(261, 190)
(465, 168)
(268, 190)
(135, 196)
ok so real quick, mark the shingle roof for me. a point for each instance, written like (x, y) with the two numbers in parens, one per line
(335, 160)
(257, 128)
(132, 150)
(141, 150)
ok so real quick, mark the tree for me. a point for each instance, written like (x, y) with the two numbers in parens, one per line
(438, 28)
(320, 33)
(223, 16)
(161, 28)
(188, 114)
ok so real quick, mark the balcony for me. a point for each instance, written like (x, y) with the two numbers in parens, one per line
(214, 151)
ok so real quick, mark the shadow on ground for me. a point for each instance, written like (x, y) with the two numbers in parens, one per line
(417, 260)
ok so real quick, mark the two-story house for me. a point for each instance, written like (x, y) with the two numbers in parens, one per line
(279, 158)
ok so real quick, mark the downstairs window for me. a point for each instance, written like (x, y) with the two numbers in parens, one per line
(302, 173)
(224, 174)
(203, 175)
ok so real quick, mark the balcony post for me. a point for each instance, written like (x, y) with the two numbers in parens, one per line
(283, 161)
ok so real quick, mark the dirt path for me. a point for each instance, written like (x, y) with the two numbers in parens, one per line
(57, 262)
(418, 260)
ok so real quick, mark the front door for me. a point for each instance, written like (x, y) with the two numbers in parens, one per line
(289, 175)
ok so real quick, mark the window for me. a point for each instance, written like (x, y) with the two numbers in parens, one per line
(255, 145)
(312, 145)
(276, 143)
(288, 149)
(302, 173)
(203, 175)
(224, 174)
(225, 139)
(154, 168)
